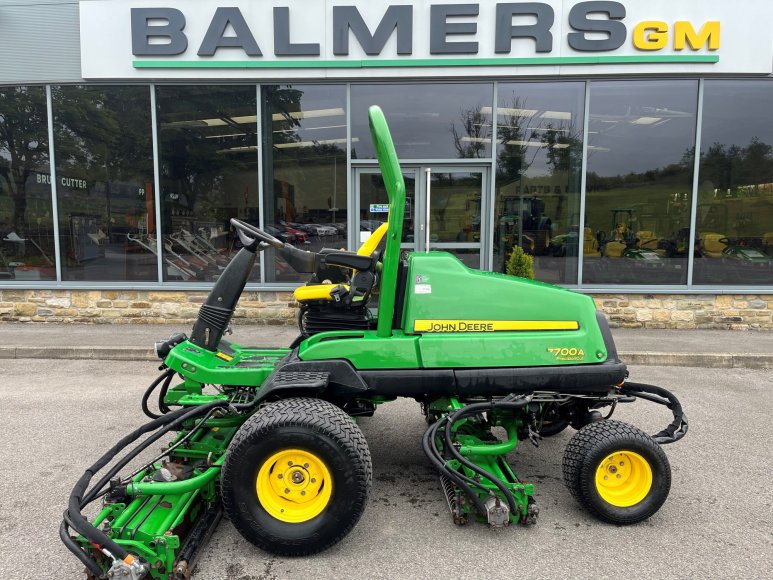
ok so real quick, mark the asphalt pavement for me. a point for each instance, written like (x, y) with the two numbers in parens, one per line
(59, 415)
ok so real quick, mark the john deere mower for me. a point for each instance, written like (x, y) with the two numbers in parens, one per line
(270, 436)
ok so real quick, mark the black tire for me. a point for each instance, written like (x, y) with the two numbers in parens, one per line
(593, 446)
(317, 427)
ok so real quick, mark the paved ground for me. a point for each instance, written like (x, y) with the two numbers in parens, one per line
(60, 415)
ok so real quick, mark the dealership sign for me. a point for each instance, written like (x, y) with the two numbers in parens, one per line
(333, 38)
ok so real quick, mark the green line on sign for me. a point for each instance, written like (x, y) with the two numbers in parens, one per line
(432, 62)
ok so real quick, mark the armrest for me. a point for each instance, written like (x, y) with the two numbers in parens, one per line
(350, 260)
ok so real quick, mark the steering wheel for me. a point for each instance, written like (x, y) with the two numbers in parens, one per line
(249, 234)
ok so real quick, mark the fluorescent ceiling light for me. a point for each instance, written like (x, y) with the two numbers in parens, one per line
(244, 149)
(313, 114)
(313, 143)
(595, 148)
(309, 128)
(646, 120)
(510, 111)
(547, 129)
(476, 140)
(244, 120)
(560, 115)
(226, 135)
(537, 144)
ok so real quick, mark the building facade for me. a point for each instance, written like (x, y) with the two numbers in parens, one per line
(627, 147)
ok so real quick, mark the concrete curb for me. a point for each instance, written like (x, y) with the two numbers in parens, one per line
(668, 359)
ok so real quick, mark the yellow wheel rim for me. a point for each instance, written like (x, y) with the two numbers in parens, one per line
(624, 478)
(294, 486)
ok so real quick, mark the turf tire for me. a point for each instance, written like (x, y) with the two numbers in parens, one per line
(588, 448)
(321, 428)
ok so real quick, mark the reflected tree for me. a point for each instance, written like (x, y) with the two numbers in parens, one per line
(23, 146)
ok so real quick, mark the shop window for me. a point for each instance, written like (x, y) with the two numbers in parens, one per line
(304, 170)
(641, 141)
(538, 170)
(26, 225)
(208, 150)
(104, 172)
(734, 220)
(427, 121)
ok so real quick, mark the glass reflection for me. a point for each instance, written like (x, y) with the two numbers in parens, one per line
(208, 150)
(427, 121)
(735, 193)
(305, 170)
(539, 164)
(104, 166)
(641, 138)
(26, 225)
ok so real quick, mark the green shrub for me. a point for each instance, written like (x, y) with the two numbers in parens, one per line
(520, 264)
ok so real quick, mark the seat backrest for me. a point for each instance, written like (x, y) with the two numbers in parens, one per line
(711, 243)
(647, 239)
(614, 249)
(369, 246)
(590, 244)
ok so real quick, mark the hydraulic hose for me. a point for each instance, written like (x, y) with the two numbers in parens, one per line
(678, 427)
(430, 449)
(474, 409)
(79, 498)
(77, 551)
(166, 378)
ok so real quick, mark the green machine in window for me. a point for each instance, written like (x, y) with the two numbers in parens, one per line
(268, 436)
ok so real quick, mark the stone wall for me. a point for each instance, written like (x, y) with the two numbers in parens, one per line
(683, 311)
(729, 312)
(136, 306)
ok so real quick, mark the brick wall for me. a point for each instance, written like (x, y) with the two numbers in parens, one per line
(735, 312)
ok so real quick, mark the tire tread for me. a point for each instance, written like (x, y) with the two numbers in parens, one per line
(324, 418)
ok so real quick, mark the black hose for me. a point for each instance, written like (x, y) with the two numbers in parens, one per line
(182, 440)
(165, 376)
(474, 409)
(178, 417)
(678, 427)
(79, 498)
(431, 451)
(162, 406)
(439, 461)
(78, 552)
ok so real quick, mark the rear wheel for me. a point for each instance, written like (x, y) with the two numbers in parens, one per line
(617, 472)
(297, 476)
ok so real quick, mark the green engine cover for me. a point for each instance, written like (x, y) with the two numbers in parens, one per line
(456, 317)
(468, 318)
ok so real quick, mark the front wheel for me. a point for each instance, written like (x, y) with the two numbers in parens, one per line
(297, 477)
(617, 472)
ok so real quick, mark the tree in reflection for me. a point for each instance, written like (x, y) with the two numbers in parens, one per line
(23, 148)
(728, 166)
(473, 143)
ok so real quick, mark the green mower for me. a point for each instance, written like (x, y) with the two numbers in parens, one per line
(270, 436)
